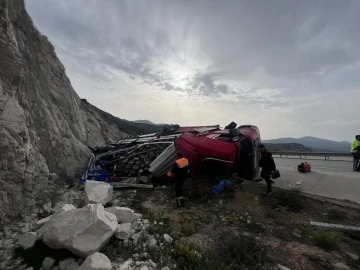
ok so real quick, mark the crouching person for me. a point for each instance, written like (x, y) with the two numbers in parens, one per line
(179, 172)
(267, 165)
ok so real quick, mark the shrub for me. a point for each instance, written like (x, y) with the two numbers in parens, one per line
(327, 240)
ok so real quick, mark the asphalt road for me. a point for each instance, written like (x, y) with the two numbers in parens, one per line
(330, 178)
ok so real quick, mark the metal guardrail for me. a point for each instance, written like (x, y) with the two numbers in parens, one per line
(327, 155)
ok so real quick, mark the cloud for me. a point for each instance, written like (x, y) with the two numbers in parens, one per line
(272, 58)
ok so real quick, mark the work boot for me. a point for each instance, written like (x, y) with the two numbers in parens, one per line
(180, 202)
(267, 193)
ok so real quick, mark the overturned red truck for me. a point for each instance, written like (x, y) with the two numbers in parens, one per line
(209, 149)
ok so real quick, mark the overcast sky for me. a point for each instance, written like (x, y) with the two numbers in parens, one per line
(290, 67)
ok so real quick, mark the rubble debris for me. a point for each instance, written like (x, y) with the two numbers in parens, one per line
(335, 226)
(123, 231)
(28, 239)
(341, 266)
(98, 192)
(96, 261)
(123, 214)
(63, 264)
(64, 208)
(126, 265)
(280, 267)
(151, 242)
(352, 256)
(38, 224)
(136, 237)
(73, 266)
(167, 238)
(48, 263)
(82, 231)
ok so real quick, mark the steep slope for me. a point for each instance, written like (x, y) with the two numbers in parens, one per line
(44, 126)
(315, 143)
(128, 126)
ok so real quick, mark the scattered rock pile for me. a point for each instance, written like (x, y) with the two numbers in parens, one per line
(86, 230)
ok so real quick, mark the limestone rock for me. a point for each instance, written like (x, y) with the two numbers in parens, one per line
(64, 208)
(45, 127)
(352, 256)
(65, 263)
(123, 214)
(123, 231)
(126, 265)
(82, 231)
(98, 192)
(73, 266)
(136, 237)
(38, 224)
(281, 267)
(167, 238)
(341, 266)
(151, 242)
(96, 261)
(27, 240)
(48, 263)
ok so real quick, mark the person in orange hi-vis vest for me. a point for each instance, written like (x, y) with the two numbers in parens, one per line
(179, 172)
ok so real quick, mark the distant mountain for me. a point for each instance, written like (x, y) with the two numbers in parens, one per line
(148, 122)
(315, 144)
(126, 126)
(144, 122)
(293, 147)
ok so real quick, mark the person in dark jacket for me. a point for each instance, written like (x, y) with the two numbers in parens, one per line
(180, 172)
(267, 165)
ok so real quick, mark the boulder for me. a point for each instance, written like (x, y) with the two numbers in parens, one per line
(65, 263)
(123, 231)
(98, 192)
(165, 268)
(123, 214)
(82, 231)
(48, 263)
(27, 240)
(96, 261)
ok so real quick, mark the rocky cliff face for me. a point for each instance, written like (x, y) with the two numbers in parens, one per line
(44, 126)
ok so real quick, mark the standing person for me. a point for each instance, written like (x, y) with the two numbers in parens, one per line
(355, 151)
(180, 172)
(267, 165)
